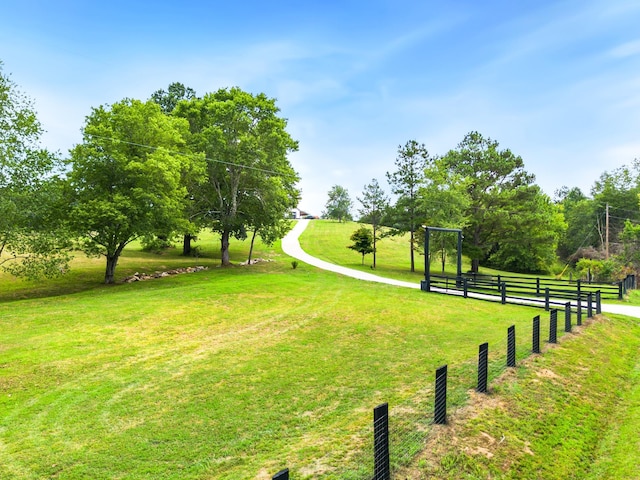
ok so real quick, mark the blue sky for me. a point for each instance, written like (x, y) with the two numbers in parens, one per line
(557, 82)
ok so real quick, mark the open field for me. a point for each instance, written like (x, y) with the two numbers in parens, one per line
(236, 373)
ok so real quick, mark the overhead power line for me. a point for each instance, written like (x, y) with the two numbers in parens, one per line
(173, 152)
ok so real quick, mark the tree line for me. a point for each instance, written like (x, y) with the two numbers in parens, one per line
(508, 222)
(147, 170)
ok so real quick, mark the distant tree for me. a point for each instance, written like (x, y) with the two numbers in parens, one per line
(168, 99)
(339, 205)
(444, 202)
(526, 239)
(266, 212)
(32, 242)
(581, 216)
(511, 224)
(125, 178)
(374, 206)
(405, 182)
(619, 189)
(246, 144)
(362, 242)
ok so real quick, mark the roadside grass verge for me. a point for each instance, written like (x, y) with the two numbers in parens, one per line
(226, 373)
(572, 413)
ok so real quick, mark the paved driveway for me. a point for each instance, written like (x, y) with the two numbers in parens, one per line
(291, 246)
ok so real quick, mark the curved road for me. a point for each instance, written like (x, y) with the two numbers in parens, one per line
(291, 246)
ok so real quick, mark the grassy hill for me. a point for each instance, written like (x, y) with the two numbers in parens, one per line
(237, 373)
(328, 240)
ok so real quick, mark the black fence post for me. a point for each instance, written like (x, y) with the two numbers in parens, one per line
(598, 302)
(589, 305)
(440, 409)
(579, 313)
(281, 475)
(503, 292)
(553, 326)
(620, 293)
(535, 348)
(483, 367)
(465, 287)
(546, 299)
(537, 286)
(381, 468)
(511, 346)
(579, 285)
(567, 317)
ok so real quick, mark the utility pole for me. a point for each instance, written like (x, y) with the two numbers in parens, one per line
(606, 242)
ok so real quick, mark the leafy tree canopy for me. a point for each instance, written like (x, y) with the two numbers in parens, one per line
(405, 181)
(249, 182)
(507, 215)
(362, 242)
(168, 99)
(125, 178)
(31, 240)
(339, 204)
(375, 204)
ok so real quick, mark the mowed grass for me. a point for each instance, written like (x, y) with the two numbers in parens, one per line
(572, 413)
(226, 373)
(329, 239)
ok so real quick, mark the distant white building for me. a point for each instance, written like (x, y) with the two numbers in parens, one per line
(296, 213)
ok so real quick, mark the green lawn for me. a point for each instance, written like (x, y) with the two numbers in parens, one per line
(572, 413)
(227, 373)
(328, 240)
(231, 373)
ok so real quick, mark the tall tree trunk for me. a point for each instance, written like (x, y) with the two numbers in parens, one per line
(224, 248)
(112, 262)
(475, 265)
(186, 245)
(374, 246)
(413, 265)
(475, 262)
(253, 238)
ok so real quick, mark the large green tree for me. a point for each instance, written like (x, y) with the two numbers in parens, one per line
(374, 207)
(581, 216)
(125, 178)
(444, 202)
(405, 181)
(168, 100)
(246, 146)
(617, 189)
(507, 215)
(31, 240)
(265, 210)
(339, 203)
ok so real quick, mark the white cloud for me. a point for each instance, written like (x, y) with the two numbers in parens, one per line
(628, 49)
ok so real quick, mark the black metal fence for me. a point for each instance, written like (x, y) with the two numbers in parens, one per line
(383, 468)
(541, 292)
